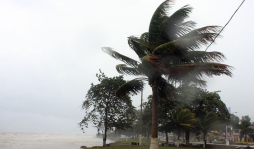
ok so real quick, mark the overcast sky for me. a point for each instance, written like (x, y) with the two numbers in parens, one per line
(50, 52)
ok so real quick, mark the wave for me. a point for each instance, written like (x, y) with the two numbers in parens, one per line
(11, 140)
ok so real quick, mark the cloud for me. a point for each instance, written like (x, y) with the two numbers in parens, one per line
(50, 52)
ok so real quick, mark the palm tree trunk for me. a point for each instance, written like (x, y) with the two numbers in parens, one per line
(154, 139)
(204, 140)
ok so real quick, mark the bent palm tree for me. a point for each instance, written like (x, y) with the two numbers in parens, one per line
(183, 120)
(210, 121)
(167, 55)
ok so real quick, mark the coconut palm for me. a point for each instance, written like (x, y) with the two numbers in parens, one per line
(167, 54)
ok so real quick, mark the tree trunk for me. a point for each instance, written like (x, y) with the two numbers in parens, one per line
(104, 139)
(178, 138)
(105, 123)
(154, 139)
(166, 137)
(187, 137)
(204, 141)
(141, 120)
(174, 136)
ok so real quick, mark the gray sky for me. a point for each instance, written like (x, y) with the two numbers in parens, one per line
(50, 52)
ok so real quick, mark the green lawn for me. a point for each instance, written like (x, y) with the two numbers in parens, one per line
(245, 142)
(122, 144)
(142, 147)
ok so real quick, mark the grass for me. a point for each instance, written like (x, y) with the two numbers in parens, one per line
(220, 142)
(245, 142)
(143, 147)
(145, 141)
(123, 144)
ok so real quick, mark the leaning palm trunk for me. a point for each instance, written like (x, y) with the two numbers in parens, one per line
(154, 139)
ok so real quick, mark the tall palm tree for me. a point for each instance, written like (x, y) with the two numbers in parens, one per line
(167, 55)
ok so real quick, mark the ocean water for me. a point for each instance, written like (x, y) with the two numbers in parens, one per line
(19, 140)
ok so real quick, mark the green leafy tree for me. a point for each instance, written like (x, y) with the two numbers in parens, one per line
(167, 54)
(166, 105)
(201, 102)
(147, 116)
(163, 115)
(104, 109)
(234, 121)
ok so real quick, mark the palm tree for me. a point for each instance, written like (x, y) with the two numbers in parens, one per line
(244, 126)
(183, 120)
(210, 121)
(167, 56)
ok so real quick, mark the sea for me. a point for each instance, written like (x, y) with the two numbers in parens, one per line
(20, 140)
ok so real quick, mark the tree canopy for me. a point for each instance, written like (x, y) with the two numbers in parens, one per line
(104, 109)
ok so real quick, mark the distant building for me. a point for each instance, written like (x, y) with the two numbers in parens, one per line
(236, 135)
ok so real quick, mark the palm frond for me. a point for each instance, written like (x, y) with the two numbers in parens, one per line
(198, 70)
(145, 37)
(203, 56)
(184, 28)
(193, 79)
(148, 46)
(123, 69)
(171, 29)
(165, 89)
(121, 57)
(203, 30)
(158, 20)
(131, 87)
(175, 77)
(210, 121)
(151, 64)
(183, 45)
(184, 119)
(137, 46)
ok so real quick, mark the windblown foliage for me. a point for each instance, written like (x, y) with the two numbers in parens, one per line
(104, 109)
(168, 54)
